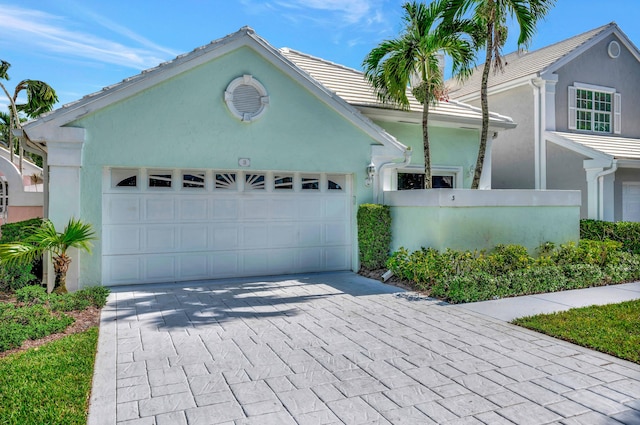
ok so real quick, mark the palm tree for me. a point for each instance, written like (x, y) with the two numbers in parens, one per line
(45, 238)
(412, 60)
(40, 99)
(5, 123)
(492, 16)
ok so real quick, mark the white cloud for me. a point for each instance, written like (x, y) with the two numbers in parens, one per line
(37, 30)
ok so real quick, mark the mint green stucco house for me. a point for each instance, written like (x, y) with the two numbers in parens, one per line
(238, 159)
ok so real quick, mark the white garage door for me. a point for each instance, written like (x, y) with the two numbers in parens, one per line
(176, 225)
(631, 201)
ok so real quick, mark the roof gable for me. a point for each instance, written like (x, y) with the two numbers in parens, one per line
(51, 123)
(520, 66)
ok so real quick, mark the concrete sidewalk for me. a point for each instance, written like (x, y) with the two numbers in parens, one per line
(508, 309)
(337, 348)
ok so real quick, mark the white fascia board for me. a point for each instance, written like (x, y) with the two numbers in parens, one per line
(439, 120)
(628, 163)
(508, 85)
(577, 147)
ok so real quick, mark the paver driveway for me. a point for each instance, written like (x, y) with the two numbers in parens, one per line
(338, 348)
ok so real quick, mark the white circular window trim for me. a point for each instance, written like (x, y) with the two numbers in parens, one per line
(614, 49)
(246, 98)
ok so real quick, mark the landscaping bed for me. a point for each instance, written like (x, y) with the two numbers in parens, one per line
(31, 317)
(509, 270)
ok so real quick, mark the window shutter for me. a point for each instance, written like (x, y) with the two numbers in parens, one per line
(617, 113)
(571, 102)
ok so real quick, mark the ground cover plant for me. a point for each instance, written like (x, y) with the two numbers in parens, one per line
(34, 314)
(613, 329)
(509, 270)
(47, 352)
(50, 384)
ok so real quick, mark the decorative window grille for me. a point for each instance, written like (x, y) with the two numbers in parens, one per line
(226, 181)
(254, 182)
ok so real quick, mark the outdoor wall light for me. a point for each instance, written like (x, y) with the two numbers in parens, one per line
(371, 171)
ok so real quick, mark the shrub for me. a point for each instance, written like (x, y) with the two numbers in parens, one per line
(374, 235)
(583, 275)
(593, 252)
(16, 276)
(16, 232)
(506, 258)
(96, 295)
(30, 322)
(32, 295)
(625, 232)
(536, 280)
(626, 269)
(475, 286)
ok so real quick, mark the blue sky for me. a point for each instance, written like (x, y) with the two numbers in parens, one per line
(80, 46)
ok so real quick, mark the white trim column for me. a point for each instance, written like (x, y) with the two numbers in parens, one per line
(594, 169)
(64, 160)
(544, 100)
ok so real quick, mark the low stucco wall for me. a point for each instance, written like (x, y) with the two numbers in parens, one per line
(478, 219)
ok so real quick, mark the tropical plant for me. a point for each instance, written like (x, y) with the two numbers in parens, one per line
(492, 15)
(45, 238)
(40, 99)
(413, 60)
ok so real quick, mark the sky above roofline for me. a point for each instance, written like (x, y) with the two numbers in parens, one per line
(81, 46)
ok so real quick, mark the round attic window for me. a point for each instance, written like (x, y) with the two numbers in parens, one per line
(613, 49)
(246, 98)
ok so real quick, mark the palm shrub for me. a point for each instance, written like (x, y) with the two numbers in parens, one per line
(45, 239)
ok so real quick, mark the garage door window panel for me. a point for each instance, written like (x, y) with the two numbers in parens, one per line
(310, 183)
(283, 182)
(124, 178)
(160, 179)
(336, 183)
(254, 182)
(193, 180)
(226, 181)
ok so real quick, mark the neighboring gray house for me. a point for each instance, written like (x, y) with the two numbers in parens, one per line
(577, 105)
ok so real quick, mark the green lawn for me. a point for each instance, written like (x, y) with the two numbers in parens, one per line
(50, 384)
(613, 329)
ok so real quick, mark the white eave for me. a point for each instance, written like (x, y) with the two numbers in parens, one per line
(597, 146)
(57, 120)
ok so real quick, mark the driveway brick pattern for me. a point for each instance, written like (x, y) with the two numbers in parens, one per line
(338, 348)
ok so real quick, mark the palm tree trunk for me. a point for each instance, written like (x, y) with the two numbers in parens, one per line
(484, 102)
(60, 268)
(426, 145)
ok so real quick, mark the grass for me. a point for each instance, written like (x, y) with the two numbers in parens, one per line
(613, 329)
(50, 384)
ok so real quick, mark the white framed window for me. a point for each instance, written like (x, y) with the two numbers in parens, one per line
(594, 109)
(441, 178)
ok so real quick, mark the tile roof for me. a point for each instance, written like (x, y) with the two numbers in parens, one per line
(351, 85)
(522, 64)
(616, 147)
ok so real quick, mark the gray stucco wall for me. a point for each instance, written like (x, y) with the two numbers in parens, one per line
(623, 175)
(596, 67)
(513, 151)
(565, 171)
